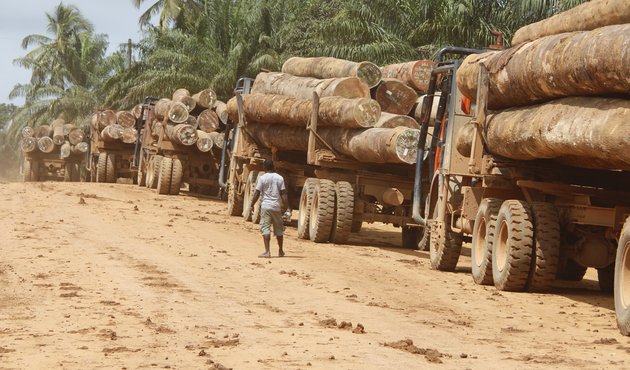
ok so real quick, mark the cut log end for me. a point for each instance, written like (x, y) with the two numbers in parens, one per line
(406, 145)
(369, 72)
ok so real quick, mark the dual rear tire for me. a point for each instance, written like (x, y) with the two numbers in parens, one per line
(170, 176)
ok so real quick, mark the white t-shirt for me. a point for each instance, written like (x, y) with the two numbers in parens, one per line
(270, 186)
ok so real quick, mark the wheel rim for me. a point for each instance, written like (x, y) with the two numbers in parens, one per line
(314, 205)
(624, 278)
(479, 240)
(502, 246)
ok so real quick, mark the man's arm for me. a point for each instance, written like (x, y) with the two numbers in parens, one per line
(255, 199)
(285, 200)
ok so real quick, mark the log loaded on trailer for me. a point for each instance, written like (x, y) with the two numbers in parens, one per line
(343, 160)
(112, 138)
(542, 182)
(53, 152)
(181, 142)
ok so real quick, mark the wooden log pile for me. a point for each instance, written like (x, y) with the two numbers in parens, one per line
(562, 92)
(361, 116)
(111, 126)
(58, 137)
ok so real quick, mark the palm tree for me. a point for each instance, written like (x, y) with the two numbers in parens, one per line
(172, 12)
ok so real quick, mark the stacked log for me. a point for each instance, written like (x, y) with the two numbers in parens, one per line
(59, 137)
(183, 96)
(389, 120)
(394, 96)
(218, 138)
(126, 119)
(182, 134)
(205, 98)
(415, 74)
(220, 108)
(552, 95)
(327, 67)
(303, 87)
(208, 121)
(204, 141)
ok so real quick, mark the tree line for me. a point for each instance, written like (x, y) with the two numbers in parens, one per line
(211, 43)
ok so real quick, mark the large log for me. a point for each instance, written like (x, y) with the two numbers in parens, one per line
(394, 96)
(182, 134)
(112, 132)
(585, 17)
(45, 144)
(208, 121)
(103, 118)
(28, 144)
(125, 119)
(42, 131)
(57, 127)
(28, 131)
(130, 135)
(373, 145)
(327, 67)
(573, 64)
(220, 108)
(75, 136)
(333, 111)
(204, 141)
(303, 87)
(65, 150)
(218, 138)
(581, 131)
(205, 98)
(183, 96)
(389, 120)
(80, 148)
(415, 74)
(417, 111)
(68, 127)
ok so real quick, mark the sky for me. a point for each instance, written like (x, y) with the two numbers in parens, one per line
(19, 18)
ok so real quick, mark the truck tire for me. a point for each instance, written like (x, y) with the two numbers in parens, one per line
(547, 246)
(322, 211)
(482, 238)
(357, 218)
(344, 211)
(234, 201)
(35, 171)
(444, 254)
(622, 280)
(606, 278)
(513, 246)
(306, 202)
(177, 173)
(571, 271)
(26, 171)
(76, 172)
(105, 168)
(256, 210)
(424, 239)
(68, 172)
(248, 195)
(165, 176)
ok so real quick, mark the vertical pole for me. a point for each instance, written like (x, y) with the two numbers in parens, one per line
(312, 140)
(129, 54)
(476, 152)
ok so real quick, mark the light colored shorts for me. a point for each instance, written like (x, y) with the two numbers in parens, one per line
(268, 218)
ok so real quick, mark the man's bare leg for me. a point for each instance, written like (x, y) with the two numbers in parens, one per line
(280, 241)
(267, 241)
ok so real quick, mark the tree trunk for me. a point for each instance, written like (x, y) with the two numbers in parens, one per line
(112, 132)
(389, 120)
(205, 98)
(220, 108)
(583, 132)
(327, 67)
(588, 16)
(574, 64)
(303, 87)
(415, 74)
(76, 136)
(57, 127)
(28, 144)
(394, 96)
(204, 141)
(182, 134)
(125, 119)
(333, 111)
(373, 145)
(45, 144)
(208, 121)
(417, 111)
(183, 96)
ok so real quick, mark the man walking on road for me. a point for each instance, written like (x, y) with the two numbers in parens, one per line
(273, 193)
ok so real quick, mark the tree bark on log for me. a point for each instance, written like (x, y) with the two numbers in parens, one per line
(220, 108)
(585, 17)
(415, 74)
(372, 145)
(45, 144)
(417, 111)
(182, 134)
(205, 98)
(333, 111)
(208, 121)
(125, 119)
(389, 120)
(303, 87)
(327, 67)
(57, 127)
(395, 96)
(573, 64)
(161, 108)
(580, 131)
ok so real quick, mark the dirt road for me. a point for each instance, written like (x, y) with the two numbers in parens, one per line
(114, 276)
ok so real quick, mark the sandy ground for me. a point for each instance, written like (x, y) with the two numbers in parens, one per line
(130, 279)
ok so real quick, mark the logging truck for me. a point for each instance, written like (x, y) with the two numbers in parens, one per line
(40, 166)
(333, 192)
(167, 162)
(111, 154)
(529, 222)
